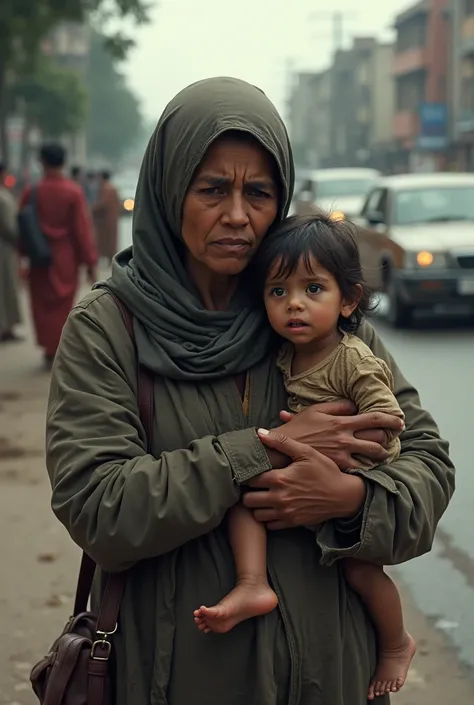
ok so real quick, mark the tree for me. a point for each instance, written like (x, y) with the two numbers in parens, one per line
(25, 24)
(114, 119)
(54, 98)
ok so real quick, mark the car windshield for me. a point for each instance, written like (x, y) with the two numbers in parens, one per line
(343, 187)
(434, 205)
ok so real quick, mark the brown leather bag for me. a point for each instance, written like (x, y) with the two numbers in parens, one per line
(76, 671)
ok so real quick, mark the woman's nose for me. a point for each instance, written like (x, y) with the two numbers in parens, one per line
(236, 214)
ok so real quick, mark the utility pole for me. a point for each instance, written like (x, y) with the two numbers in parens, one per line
(338, 19)
(289, 86)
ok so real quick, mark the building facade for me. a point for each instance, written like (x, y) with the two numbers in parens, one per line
(362, 103)
(460, 18)
(309, 118)
(420, 69)
(69, 45)
(383, 107)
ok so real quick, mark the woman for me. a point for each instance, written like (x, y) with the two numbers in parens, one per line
(216, 175)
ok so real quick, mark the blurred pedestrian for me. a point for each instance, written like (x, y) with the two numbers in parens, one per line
(64, 220)
(106, 212)
(76, 175)
(90, 187)
(9, 264)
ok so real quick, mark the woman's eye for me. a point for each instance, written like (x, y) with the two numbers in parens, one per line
(257, 193)
(212, 190)
(277, 291)
(313, 289)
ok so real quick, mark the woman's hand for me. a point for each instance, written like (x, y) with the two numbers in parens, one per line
(338, 433)
(307, 492)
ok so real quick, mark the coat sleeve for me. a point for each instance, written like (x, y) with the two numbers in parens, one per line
(119, 503)
(82, 230)
(405, 499)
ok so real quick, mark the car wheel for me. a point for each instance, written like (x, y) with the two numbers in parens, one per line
(399, 314)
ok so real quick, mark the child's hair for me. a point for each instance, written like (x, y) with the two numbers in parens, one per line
(332, 243)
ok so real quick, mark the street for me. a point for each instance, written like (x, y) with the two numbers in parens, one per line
(39, 562)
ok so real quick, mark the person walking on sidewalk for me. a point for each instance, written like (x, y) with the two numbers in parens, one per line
(64, 220)
(106, 212)
(9, 306)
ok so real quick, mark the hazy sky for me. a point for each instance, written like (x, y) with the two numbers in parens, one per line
(250, 39)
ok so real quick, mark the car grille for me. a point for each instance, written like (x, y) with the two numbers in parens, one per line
(466, 261)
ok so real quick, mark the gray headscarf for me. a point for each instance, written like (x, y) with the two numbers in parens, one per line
(176, 337)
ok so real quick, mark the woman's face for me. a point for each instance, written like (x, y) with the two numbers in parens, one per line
(230, 204)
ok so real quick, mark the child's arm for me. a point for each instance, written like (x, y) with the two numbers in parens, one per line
(370, 387)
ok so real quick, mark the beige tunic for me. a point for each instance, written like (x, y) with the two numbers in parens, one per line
(106, 212)
(9, 306)
(352, 372)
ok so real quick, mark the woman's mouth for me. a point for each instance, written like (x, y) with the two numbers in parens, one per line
(233, 245)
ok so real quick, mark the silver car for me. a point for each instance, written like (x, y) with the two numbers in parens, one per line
(341, 191)
(416, 241)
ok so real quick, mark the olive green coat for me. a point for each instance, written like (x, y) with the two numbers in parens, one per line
(163, 516)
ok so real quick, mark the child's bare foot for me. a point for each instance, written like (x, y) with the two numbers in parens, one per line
(392, 668)
(251, 597)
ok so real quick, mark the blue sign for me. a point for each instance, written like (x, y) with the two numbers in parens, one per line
(433, 126)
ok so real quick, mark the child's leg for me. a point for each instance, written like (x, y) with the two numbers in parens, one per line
(382, 600)
(252, 595)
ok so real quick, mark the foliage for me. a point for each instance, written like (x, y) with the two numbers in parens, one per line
(114, 119)
(24, 24)
(54, 98)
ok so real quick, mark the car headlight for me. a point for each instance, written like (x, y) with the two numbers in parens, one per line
(336, 215)
(129, 204)
(424, 259)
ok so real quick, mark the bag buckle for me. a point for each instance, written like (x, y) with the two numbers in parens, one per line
(103, 645)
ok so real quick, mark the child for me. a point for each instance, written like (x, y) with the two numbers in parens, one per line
(315, 296)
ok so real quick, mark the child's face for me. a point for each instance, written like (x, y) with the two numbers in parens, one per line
(305, 307)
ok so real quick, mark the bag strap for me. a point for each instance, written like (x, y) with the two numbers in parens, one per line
(115, 584)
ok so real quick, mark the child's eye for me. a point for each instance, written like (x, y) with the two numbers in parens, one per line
(277, 291)
(313, 289)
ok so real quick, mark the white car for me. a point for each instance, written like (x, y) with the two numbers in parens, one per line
(341, 191)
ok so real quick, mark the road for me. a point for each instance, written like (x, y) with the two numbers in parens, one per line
(39, 563)
(439, 360)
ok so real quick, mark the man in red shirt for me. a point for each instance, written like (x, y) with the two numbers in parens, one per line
(64, 219)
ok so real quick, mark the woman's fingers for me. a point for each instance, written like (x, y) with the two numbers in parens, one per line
(375, 419)
(331, 408)
(374, 435)
(344, 407)
(287, 446)
(266, 515)
(368, 449)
